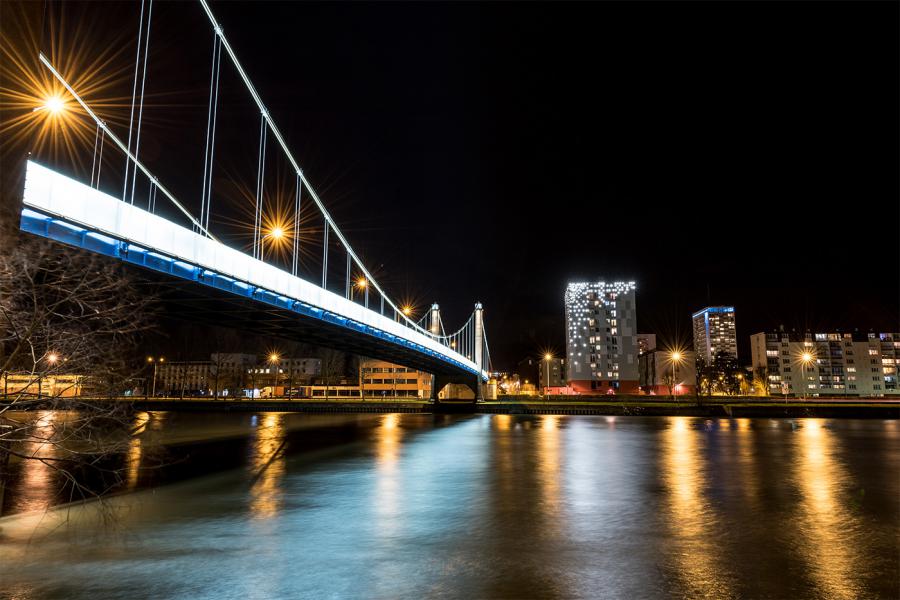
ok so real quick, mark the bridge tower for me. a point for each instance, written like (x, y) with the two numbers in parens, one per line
(434, 323)
(479, 348)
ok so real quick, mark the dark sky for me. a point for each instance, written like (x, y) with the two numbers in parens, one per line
(736, 153)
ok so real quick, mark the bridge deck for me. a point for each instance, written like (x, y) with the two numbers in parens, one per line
(208, 281)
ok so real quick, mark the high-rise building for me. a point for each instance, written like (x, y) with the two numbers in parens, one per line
(646, 342)
(601, 337)
(845, 364)
(714, 333)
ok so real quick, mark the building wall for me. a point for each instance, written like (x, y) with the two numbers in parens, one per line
(551, 373)
(51, 386)
(656, 370)
(177, 376)
(845, 364)
(646, 342)
(381, 379)
(601, 337)
(714, 332)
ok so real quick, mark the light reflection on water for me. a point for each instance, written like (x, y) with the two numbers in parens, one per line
(822, 515)
(688, 513)
(39, 475)
(267, 466)
(499, 506)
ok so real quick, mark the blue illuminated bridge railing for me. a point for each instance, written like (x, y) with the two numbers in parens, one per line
(65, 210)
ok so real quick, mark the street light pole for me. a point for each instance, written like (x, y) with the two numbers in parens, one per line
(547, 358)
(676, 358)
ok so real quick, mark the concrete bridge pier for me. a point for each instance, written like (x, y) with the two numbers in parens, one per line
(461, 392)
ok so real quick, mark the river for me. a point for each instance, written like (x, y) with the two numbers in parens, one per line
(278, 505)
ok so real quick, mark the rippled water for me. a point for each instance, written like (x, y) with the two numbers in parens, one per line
(486, 506)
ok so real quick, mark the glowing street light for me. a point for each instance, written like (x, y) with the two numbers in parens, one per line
(362, 284)
(407, 310)
(805, 360)
(276, 234)
(676, 357)
(154, 362)
(53, 105)
(53, 358)
(547, 358)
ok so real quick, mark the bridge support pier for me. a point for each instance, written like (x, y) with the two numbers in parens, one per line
(461, 392)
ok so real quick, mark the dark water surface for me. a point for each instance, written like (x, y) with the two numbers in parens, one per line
(488, 506)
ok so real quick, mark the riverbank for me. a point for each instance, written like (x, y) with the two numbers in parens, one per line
(878, 408)
(861, 408)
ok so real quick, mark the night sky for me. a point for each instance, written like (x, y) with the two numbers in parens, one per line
(725, 153)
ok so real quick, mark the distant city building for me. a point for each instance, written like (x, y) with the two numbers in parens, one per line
(714, 333)
(646, 342)
(289, 373)
(527, 369)
(381, 379)
(229, 370)
(657, 373)
(851, 364)
(57, 385)
(551, 373)
(601, 337)
(188, 377)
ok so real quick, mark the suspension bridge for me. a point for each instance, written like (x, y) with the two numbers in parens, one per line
(210, 281)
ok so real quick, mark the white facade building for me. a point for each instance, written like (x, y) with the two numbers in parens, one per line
(844, 364)
(601, 337)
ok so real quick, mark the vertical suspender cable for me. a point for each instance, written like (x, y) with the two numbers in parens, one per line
(296, 264)
(212, 76)
(212, 141)
(137, 143)
(325, 258)
(211, 117)
(347, 286)
(137, 62)
(260, 187)
(94, 162)
(100, 157)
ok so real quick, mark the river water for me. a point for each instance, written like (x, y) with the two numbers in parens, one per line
(486, 506)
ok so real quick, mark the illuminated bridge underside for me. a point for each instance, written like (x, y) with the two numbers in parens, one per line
(210, 282)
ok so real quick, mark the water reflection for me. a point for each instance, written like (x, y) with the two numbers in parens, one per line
(135, 450)
(831, 534)
(548, 468)
(688, 514)
(39, 474)
(388, 437)
(267, 466)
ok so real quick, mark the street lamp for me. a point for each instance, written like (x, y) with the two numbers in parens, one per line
(273, 360)
(53, 105)
(805, 359)
(547, 358)
(275, 234)
(52, 358)
(154, 362)
(676, 358)
(362, 284)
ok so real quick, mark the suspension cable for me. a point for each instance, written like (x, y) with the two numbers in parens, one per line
(137, 143)
(260, 186)
(94, 161)
(296, 263)
(119, 144)
(277, 133)
(137, 62)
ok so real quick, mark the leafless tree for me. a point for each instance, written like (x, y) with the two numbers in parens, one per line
(69, 327)
(332, 366)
